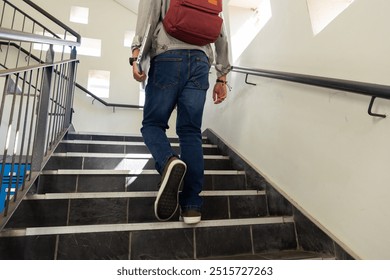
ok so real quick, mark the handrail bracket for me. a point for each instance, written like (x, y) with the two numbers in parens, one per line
(370, 109)
(246, 81)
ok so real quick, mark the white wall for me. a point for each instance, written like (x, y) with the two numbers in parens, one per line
(319, 146)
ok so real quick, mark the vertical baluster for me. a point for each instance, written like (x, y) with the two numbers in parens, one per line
(8, 141)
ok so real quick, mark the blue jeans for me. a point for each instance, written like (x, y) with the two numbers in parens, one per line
(178, 79)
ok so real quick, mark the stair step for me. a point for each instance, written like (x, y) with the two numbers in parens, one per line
(125, 156)
(120, 143)
(281, 255)
(34, 231)
(62, 209)
(134, 172)
(121, 161)
(159, 240)
(123, 147)
(50, 182)
(53, 196)
(119, 137)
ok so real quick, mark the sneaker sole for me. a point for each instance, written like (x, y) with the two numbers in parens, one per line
(167, 200)
(191, 220)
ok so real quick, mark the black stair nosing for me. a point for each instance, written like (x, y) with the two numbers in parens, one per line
(148, 226)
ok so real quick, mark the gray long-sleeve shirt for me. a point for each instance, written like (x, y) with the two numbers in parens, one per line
(153, 12)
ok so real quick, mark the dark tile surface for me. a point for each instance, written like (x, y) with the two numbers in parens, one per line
(71, 136)
(341, 254)
(101, 148)
(173, 244)
(103, 163)
(211, 151)
(40, 213)
(225, 182)
(94, 246)
(310, 237)
(141, 210)
(28, 248)
(142, 149)
(247, 206)
(217, 164)
(254, 179)
(56, 184)
(215, 208)
(142, 183)
(273, 237)
(70, 147)
(116, 138)
(277, 204)
(101, 183)
(223, 241)
(98, 211)
(134, 139)
(64, 163)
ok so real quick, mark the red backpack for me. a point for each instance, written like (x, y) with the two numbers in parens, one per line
(196, 22)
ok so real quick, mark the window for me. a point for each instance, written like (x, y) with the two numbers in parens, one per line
(322, 13)
(99, 83)
(247, 19)
(90, 47)
(79, 14)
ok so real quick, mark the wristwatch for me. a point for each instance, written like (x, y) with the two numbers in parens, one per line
(132, 60)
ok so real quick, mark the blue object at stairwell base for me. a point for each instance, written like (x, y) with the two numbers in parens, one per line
(7, 177)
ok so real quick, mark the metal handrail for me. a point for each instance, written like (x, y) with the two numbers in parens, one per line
(34, 67)
(369, 89)
(20, 36)
(54, 19)
(114, 105)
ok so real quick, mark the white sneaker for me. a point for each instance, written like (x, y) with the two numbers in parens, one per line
(191, 216)
(167, 199)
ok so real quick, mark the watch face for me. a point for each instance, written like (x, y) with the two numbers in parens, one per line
(131, 60)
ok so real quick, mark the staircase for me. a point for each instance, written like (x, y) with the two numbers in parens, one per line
(94, 200)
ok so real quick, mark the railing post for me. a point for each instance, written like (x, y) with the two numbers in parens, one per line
(71, 88)
(43, 113)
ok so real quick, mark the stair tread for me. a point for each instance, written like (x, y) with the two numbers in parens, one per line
(128, 143)
(133, 172)
(280, 255)
(86, 195)
(33, 231)
(123, 155)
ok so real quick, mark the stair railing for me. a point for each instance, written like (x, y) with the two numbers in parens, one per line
(35, 103)
(373, 90)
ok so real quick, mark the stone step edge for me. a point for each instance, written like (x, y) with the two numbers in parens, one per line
(125, 155)
(35, 231)
(139, 194)
(134, 172)
(127, 143)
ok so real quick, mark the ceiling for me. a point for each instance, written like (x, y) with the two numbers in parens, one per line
(131, 5)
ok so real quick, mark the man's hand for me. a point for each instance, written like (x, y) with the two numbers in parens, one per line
(138, 76)
(220, 90)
